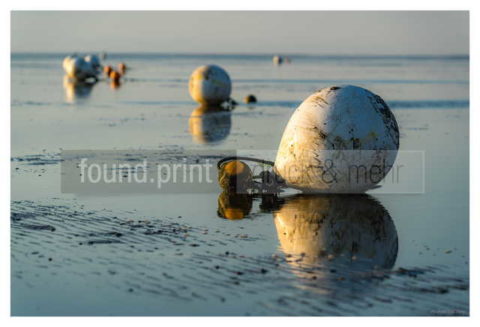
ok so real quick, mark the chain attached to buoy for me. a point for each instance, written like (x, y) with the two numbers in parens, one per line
(236, 176)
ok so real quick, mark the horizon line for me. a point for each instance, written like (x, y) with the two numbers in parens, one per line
(241, 53)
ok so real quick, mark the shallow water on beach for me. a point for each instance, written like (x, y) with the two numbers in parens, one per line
(171, 254)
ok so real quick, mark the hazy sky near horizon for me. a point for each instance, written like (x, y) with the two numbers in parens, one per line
(313, 32)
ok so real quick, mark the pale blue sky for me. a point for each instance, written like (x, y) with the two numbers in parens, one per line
(324, 32)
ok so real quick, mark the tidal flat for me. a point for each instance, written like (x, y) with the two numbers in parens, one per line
(179, 254)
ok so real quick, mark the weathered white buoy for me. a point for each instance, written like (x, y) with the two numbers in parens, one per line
(79, 69)
(341, 139)
(210, 85)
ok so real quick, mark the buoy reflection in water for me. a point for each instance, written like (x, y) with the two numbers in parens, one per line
(234, 206)
(352, 231)
(336, 245)
(209, 124)
(76, 90)
(115, 84)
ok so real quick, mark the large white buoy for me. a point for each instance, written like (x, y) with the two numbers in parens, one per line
(210, 85)
(341, 139)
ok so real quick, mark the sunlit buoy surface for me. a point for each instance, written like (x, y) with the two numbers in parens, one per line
(341, 139)
(114, 76)
(80, 68)
(352, 230)
(210, 85)
(277, 60)
(209, 124)
(235, 176)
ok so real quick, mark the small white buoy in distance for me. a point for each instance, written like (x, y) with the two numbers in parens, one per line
(80, 68)
(277, 60)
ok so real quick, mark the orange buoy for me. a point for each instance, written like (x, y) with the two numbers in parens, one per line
(122, 68)
(107, 70)
(115, 79)
(114, 75)
(250, 99)
(235, 176)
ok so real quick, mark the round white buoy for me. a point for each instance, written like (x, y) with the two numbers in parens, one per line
(341, 139)
(79, 69)
(277, 60)
(210, 85)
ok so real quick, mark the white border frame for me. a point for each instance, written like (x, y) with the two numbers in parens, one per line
(474, 8)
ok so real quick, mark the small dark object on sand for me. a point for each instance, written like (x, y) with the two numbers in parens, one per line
(250, 99)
